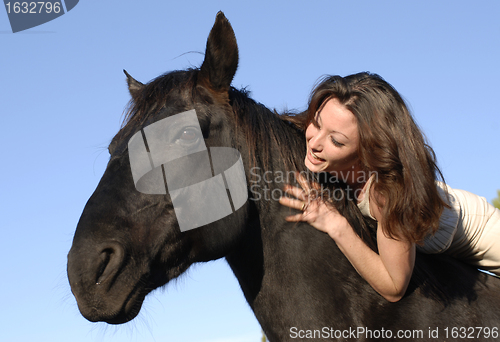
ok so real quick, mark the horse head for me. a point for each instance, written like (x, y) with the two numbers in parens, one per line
(129, 242)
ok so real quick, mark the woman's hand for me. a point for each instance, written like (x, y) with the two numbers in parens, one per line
(388, 272)
(319, 213)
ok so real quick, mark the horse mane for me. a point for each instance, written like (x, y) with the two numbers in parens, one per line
(264, 130)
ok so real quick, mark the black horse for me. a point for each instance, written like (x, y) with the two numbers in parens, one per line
(298, 283)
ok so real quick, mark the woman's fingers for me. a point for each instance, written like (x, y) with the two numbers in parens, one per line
(295, 218)
(308, 200)
(296, 192)
(293, 203)
(303, 182)
(303, 199)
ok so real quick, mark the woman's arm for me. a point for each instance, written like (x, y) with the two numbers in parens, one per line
(388, 272)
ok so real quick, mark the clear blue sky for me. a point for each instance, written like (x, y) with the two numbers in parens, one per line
(62, 94)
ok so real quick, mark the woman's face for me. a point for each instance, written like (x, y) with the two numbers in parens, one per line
(333, 145)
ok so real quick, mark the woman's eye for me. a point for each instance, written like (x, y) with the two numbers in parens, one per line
(336, 143)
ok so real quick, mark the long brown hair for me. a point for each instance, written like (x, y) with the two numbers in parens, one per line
(390, 144)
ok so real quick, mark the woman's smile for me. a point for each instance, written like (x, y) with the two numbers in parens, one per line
(313, 158)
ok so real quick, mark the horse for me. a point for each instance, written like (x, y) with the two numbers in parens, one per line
(297, 282)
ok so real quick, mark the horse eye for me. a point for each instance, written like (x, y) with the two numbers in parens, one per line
(188, 135)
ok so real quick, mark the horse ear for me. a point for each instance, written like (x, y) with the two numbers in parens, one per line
(134, 86)
(221, 56)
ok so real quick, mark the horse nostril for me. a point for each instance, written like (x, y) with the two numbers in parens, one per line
(104, 261)
(110, 261)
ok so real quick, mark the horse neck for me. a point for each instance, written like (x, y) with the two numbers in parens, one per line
(264, 163)
(277, 254)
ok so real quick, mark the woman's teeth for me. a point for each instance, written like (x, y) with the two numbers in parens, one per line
(315, 156)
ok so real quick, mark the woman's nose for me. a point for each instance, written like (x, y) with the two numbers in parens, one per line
(315, 142)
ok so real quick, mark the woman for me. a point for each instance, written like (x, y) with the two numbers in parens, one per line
(359, 129)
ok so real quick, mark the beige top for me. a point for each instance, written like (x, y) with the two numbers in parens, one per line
(364, 204)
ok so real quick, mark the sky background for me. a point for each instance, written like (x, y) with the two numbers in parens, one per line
(63, 92)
